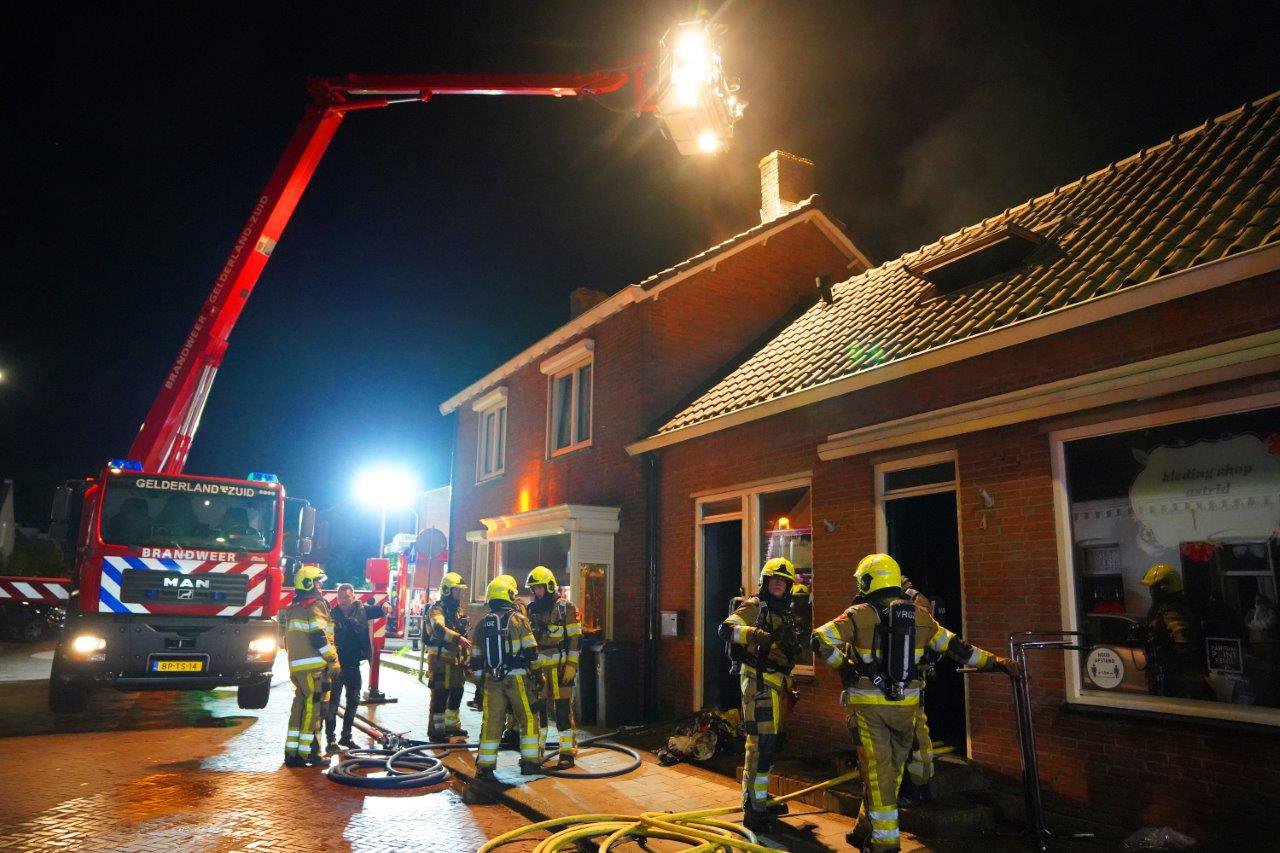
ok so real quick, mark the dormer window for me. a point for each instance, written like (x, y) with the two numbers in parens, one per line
(491, 434)
(569, 393)
(979, 259)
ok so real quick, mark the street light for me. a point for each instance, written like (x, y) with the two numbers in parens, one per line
(385, 487)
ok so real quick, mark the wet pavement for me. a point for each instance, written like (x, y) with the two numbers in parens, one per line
(193, 772)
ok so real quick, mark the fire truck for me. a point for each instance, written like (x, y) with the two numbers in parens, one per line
(176, 579)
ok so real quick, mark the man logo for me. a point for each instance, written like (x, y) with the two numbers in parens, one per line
(187, 583)
(185, 594)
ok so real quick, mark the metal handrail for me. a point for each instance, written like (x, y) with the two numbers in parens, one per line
(1019, 643)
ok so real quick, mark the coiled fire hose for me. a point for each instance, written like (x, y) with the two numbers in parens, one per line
(410, 766)
(699, 829)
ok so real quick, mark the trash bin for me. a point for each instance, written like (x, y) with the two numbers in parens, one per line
(586, 709)
(616, 699)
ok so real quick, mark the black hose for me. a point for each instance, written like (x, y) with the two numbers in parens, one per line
(408, 771)
(412, 767)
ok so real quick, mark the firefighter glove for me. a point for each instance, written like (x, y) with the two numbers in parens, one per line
(569, 673)
(1008, 667)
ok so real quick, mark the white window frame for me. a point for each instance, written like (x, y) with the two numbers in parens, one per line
(1075, 694)
(479, 564)
(749, 515)
(568, 363)
(492, 404)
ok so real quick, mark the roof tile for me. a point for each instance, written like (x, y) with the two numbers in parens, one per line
(1206, 194)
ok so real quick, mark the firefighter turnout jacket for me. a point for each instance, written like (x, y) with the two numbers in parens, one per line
(447, 626)
(308, 637)
(558, 631)
(752, 627)
(849, 643)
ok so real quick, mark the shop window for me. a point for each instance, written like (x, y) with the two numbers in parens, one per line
(1195, 507)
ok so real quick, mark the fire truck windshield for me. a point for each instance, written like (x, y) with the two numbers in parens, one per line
(157, 511)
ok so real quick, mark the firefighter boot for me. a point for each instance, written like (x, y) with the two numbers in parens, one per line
(757, 821)
(775, 808)
(566, 760)
(529, 768)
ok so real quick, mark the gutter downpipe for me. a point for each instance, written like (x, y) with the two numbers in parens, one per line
(651, 541)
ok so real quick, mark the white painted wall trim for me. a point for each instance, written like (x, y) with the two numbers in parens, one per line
(1220, 362)
(551, 521)
(496, 397)
(568, 357)
(1199, 279)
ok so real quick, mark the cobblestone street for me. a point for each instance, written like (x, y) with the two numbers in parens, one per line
(193, 772)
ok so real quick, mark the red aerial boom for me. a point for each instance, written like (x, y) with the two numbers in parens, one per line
(164, 441)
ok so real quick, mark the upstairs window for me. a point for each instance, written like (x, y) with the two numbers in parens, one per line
(491, 434)
(569, 394)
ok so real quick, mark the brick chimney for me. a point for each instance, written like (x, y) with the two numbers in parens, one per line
(785, 181)
(584, 299)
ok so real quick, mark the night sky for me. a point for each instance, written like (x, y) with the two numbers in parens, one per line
(437, 240)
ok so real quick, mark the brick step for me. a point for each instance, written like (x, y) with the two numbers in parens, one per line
(955, 780)
(949, 817)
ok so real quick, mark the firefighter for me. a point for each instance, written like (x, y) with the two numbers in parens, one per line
(448, 650)
(503, 651)
(313, 661)
(1173, 635)
(763, 642)
(877, 645)
(557, 627)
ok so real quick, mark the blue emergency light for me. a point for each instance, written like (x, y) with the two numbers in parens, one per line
(125, 464)
(262, 477)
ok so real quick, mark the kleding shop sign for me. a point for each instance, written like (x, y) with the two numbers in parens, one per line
(1207, 491)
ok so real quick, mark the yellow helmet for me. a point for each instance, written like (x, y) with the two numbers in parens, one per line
(541, 575)
(307, 577)
(778, 567)
(1164, 577)
(510, 580)
(800, 590)
(499, 591)
(877, 571)
(450, 581)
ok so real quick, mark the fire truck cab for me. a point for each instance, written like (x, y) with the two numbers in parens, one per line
(176, 582)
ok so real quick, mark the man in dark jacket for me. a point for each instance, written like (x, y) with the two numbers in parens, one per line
(351, 636)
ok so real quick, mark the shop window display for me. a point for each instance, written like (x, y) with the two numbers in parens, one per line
(1176, 543)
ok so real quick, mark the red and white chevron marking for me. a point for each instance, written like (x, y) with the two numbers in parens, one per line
(35, 590)
(255, 590)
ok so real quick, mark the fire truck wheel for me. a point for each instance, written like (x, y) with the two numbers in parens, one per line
(66, 695)
(254, 696)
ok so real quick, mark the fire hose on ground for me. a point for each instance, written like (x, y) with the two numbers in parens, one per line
(408, 764)
(699, 828)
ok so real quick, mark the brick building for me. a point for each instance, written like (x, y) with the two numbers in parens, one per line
(1029, 414)
(541, 473)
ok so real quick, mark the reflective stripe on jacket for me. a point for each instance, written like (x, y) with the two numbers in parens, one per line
(852, 633)
(557, 631)
(308, 635)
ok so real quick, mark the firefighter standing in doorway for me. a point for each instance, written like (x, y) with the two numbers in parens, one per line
(557, 627)
(764, 644)
(502, 651)
(447, 651)
(313, 661)
(877, 645)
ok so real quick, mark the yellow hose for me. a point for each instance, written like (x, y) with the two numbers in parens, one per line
(694, 828)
